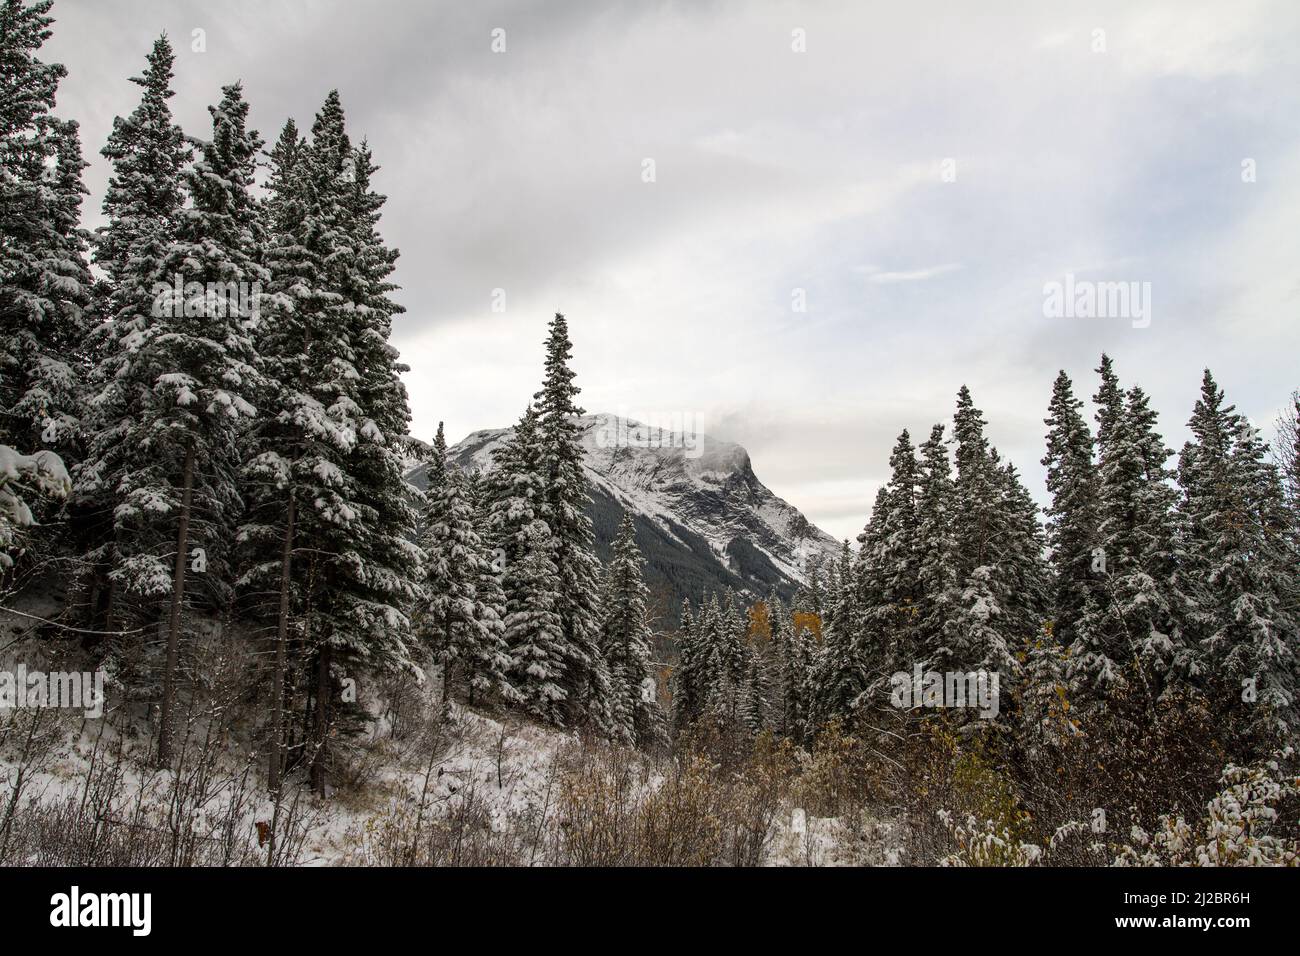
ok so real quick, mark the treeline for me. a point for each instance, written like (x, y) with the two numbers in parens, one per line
(208, 380)
(1150, 589)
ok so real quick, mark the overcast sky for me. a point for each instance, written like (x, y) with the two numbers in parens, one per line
(919, 171)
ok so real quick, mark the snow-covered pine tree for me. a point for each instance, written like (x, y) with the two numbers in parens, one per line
(755, 697)
(295, 485)
(810, 596)
(167, 451)
(379, 599)
(936, 556)
(999, 552)
(1241, 552)
(728, 666)
(625, 644)
(686, 679)
(461, 631)
(713, 672)
(1135, 625)
(1046, 712)
(514, 488)
(118, 482)
(490, 604)
(1109, 400)
(534, 631)
(1024, 570)
(1072, 515)
(889, 613)
(563, 508)
(201, 361)
(340, 414)
(975, 492)
(45, 282)
(839, 673)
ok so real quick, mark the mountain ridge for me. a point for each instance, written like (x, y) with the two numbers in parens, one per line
(704, 520)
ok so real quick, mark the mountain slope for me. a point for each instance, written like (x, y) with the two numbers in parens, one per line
(703, 519)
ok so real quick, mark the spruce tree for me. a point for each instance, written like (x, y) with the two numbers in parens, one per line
(889, 588)
(839, 673)
(936, 556)
(514, 488)
(563, 507)
(295, 485)
(45, 283)
(534, 630)
(131, 486)
(1134, 628)
(625, 644)
(463, 632)
(1072, 515)
(1240, 553)
(686, 681)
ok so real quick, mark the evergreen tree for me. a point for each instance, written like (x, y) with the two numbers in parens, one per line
(515, 488)
(799, 676)
(975, 492)
(1239, 553)
(625, 644)
(810, 597)
(1072, 515)
(178, 365)
(839, 673)
(339, 415)
(119, 477)
(534, 631)
(1024, 573)
(297, 490)
(936, 556)
(687, 683)
(465, 633)
(1135, 626)
(1110, 404)
(889, 584)
(562, 507)
(999, 553)
(201, 361)
(45, 283)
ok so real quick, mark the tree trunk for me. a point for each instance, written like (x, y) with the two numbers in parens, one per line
(281, 643)
(174, 621)
(322, 719)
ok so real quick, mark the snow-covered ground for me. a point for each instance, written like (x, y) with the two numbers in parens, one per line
(499, 778)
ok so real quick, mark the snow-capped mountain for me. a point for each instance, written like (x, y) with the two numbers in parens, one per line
(704, 520)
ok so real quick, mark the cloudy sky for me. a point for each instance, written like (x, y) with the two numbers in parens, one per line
(912, 174)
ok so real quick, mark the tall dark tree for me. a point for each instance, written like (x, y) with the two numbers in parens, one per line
(1072, 515)
(625, 644)
(45, 283)
(936, 556)
(563, 508)
(1241, 553)
(465, 635)
(534, 631)
(131, 487)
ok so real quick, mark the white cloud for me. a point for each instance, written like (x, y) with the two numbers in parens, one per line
(913, 275)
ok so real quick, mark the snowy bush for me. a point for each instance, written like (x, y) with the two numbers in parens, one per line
(41, 473)
(1244, 825)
